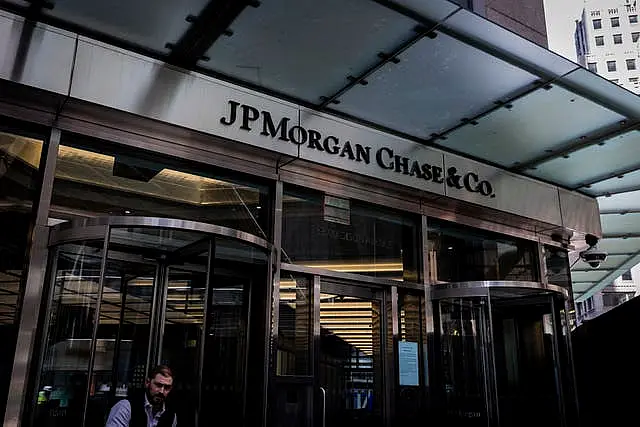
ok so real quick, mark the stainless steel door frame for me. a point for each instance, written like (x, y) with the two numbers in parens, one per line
(367, 290)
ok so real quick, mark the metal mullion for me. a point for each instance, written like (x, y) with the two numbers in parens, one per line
(161, 315)
(153, 326)
(569, 345)
(274, 278)
(207, 295)
(53, 268)
(315, 347)
(428, 315)
(391, 354)
(491, 377)
(273, 307)
(116, 350)
(31, 301)
(103, 266)
(557, 364)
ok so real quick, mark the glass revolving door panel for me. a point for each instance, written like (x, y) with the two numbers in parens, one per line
(129, 293)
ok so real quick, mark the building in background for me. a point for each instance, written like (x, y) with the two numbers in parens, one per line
(523, 17)
(607, 41)
(621, 290)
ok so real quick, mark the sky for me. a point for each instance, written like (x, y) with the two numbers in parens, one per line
(561, 16)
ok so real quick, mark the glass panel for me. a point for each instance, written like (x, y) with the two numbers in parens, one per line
(63, 380)
(463, 325)
(411, 402)
(294, 326)
(459, 254)
(239, 280)
(523, 334)
(97, 178)
(364, 240)
(188, 276)
(350, 365)
(124, 328)
(19, 162)
(557, 263)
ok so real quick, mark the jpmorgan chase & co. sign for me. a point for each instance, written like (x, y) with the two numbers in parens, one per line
(409, 163)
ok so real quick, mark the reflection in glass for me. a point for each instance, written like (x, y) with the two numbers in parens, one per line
(411, 402)
(464, 359)
(64, 376)
(19, 162)
(459, 254)
(95, 178)
(523, 333)
(239, 281)
(365, 240)
(186, 293)
(122, 339)
(294, 326)
(350, 360)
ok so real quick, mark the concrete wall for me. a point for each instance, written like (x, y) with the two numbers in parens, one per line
(523, 17)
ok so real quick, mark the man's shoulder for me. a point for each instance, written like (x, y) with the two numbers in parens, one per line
(122, 405)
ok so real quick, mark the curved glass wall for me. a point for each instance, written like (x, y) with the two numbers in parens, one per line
(142, 291)
(502, 357)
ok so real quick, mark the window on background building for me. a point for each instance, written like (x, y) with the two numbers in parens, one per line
(599, 40)
(615, 22)
(633, 19)
(617, 39)
(616, 81)
(597, 24)
(595, 13)
(589, 304)
(593, 67)
(631, 64)
(633, 80)
(19, 188)
(611, 66)
(635, 37)
(627, 274)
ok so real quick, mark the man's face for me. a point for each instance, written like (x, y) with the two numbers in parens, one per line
(158, 388)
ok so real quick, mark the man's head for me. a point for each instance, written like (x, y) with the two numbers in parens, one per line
(159, 383)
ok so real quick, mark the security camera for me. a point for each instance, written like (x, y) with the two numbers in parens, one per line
(593, 257)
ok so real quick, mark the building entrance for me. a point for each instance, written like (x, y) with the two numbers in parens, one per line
(127, 293)
(503, 356)
(331, 353)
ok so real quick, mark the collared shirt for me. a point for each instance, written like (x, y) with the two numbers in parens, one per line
(120, 414)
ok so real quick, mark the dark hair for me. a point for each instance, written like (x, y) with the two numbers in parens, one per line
(163, 370)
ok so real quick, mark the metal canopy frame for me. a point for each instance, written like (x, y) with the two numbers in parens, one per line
(216, 21)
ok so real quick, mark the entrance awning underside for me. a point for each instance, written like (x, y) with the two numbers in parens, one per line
(428, 71)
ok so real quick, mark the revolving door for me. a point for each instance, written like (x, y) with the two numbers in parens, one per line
(503, 355)
(127, 293)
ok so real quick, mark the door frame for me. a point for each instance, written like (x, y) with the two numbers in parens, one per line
(386, 291)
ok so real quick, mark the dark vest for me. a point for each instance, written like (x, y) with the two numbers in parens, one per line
(139, 416)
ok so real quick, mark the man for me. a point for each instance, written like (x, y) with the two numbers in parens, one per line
(148, 409)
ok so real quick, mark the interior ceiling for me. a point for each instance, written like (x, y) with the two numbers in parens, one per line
(425, 70)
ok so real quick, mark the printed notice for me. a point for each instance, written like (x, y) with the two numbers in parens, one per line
(408, 360)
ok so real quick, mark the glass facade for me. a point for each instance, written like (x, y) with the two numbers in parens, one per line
(96, 178)
(461, 254)
(140, 273)
(360, 238)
